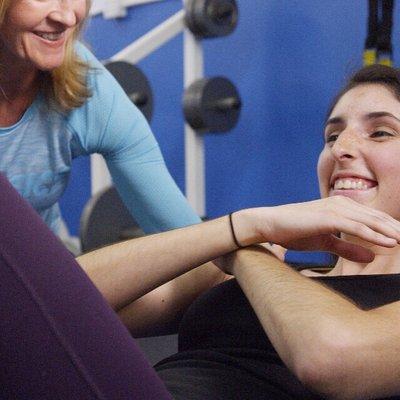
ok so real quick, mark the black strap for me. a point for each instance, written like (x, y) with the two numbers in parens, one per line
(378, 44)
(384, 44)
(372, 36)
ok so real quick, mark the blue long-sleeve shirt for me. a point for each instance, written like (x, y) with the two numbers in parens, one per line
(37, 152)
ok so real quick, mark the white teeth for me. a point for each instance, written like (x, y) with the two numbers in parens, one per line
(347, 184)
(350, 184)
(53, 36)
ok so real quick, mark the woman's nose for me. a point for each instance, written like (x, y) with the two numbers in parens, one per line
(64, 13)
(346, 146)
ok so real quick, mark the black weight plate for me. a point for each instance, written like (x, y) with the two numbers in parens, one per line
(135, 85)
(105, 220)
(211, 18)
(192, 104)
(212, 105)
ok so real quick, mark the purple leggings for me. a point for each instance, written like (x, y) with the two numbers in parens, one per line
(59, 339)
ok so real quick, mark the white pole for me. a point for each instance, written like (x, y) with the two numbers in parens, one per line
(194, 144)
(101, 6)
(99, 174)
(114, 9)
(152, 40)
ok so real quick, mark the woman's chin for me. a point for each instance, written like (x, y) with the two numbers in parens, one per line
(48, 65)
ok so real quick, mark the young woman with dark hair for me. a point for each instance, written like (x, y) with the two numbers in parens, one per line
(309, 337)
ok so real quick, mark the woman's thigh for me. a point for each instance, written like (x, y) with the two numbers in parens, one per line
(59, 339)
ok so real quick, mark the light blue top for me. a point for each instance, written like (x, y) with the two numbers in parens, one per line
(36, 154)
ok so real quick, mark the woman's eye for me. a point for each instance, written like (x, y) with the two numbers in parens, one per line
(331, 138)
(378, 134)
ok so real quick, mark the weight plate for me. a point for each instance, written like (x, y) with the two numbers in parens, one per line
(212, 105)
(135, 85)
(211, 18)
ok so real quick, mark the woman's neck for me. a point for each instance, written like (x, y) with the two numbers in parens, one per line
(386, 261)
(19, 84)
(17, 92)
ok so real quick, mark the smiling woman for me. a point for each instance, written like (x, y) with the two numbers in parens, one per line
(36, 37)
(362, 138)
(58, 102)
(338, 333)
(272, 333)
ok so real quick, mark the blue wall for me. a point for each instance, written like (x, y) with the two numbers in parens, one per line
(287, 59)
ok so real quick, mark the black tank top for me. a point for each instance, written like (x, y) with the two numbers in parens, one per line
(225, 354)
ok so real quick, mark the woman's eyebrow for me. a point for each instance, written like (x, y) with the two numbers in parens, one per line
(379, 114)
(369, 116)
(334, 120)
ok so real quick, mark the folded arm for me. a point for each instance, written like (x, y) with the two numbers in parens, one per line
(330, 344)
(137, 277)
(151, 280)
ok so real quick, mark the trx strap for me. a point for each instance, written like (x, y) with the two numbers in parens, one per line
(378, 44)
(385, 52)
(372, 36)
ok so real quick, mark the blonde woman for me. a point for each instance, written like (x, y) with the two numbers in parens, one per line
(57, 102)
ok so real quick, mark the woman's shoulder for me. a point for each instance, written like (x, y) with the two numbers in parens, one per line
(99, 80)
(108, 118)
(104, 88)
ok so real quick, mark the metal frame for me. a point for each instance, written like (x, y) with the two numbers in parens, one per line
(115, 8)
(193, 70)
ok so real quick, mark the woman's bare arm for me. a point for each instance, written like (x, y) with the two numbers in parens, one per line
(330, 344)
(133, 270)
(127, 271)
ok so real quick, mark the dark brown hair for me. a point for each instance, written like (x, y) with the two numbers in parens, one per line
(372, 74)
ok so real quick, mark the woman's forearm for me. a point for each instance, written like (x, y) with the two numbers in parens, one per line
(306, 322)
(126, 271)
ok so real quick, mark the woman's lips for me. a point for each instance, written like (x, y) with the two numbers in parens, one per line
(53, 39)
(353, 183)
(352, 186)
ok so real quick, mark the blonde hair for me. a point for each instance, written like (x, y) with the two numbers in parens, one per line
(66, 86)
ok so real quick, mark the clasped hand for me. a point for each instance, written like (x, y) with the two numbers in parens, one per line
(335, 224)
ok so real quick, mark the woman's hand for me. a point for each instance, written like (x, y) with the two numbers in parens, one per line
(278, 251)
(315, 225)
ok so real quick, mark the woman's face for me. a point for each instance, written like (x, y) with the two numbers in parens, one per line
(35, 32)
(361, 156)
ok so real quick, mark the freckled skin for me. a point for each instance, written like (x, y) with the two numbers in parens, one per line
(366, 147)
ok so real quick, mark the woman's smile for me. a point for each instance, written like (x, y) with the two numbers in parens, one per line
(35, 33)
(362, 143)
(352, 186)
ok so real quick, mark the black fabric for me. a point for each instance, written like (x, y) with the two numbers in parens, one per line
(224, 354)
